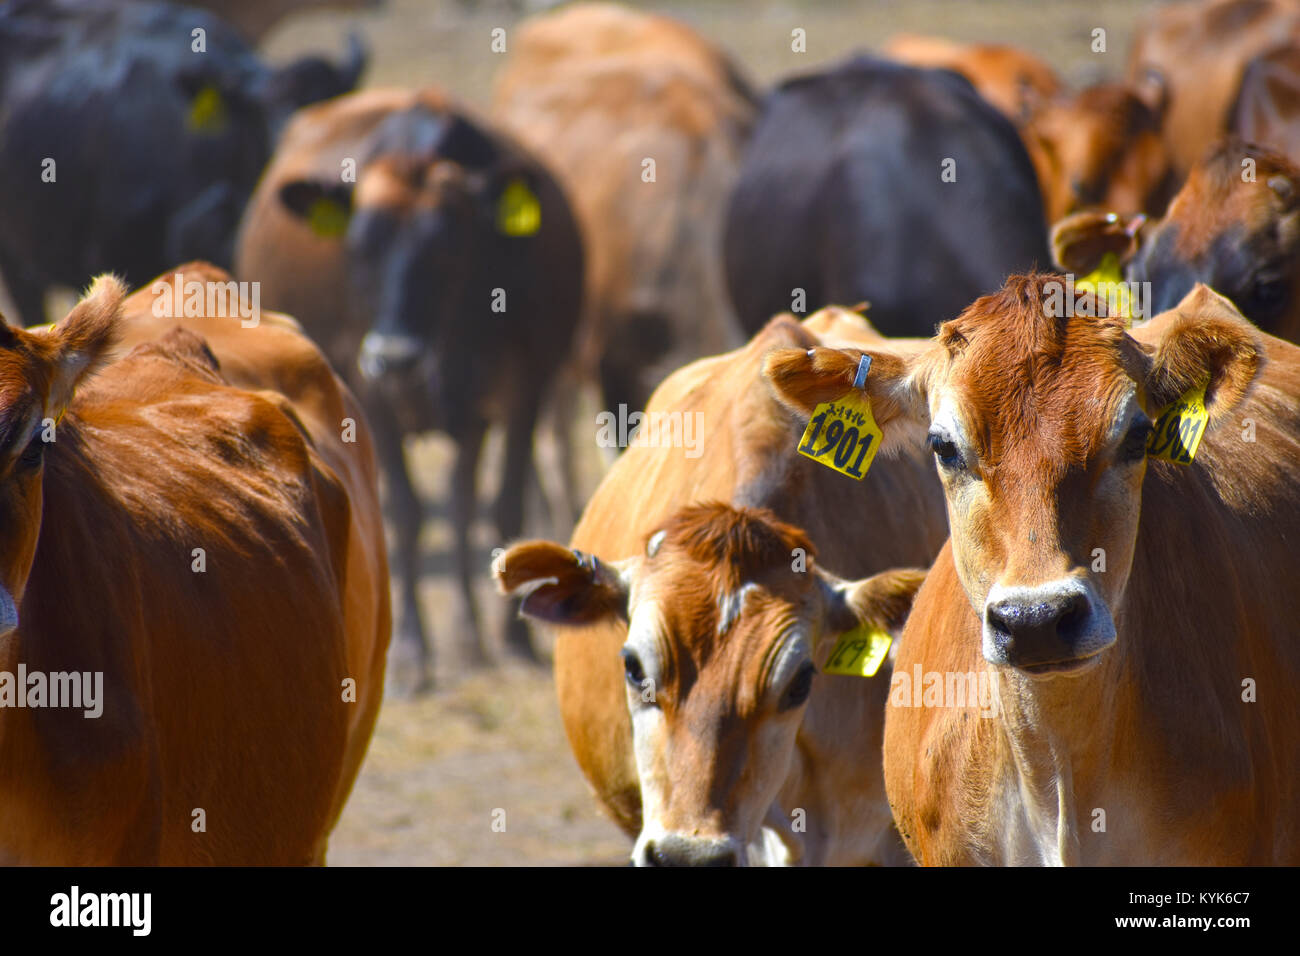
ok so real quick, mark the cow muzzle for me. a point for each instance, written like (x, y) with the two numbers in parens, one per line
(672, 849)
(384, 354)
(1049, 629)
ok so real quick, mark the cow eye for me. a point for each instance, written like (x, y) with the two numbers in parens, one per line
(1134, 446)
(632, 668)
(34, 452)
(945, 451)
(799, 688)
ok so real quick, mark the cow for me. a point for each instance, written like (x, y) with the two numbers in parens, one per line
(644, 123)
(446, 282)
(127, 144)
(1267, 107)
(1099, 147)
(1233, 226)
(740, 451)
(254, 19)
(228, 642)
(729, 620)
(908, 167)
(1129, 611)
(1187, 61)
(1015, 81)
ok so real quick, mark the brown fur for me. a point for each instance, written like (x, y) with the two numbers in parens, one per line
(1197, 582)
(748, 459)
(1014, 81)
(222, 690)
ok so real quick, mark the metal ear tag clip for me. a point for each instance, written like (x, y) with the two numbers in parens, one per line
(864, 365)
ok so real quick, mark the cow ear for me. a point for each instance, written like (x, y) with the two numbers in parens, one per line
(802, 379)
(325, 207)
(882, 601)
(83, 340)
(561, 586)
(1202, 340)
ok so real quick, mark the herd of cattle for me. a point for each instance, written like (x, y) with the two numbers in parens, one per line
(191, 481)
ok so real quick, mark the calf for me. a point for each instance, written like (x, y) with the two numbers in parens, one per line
(450, 272)
(740, 450)
(744, 752)
(126, 146)
(1144, 715)
(871, 180)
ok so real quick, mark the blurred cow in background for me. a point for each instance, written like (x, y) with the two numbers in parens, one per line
(1100, 147)
(644, 122)
(1267, 108)
(131, 135)
(1187, 61)
(1013, 80)
(453, 268)
(877, 181)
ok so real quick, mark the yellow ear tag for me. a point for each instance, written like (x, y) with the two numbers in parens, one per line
(859, 653)
(519, 213)
(1107, 282)
(1178, 430)
(843, 435)
(207, 111)
(327, 218)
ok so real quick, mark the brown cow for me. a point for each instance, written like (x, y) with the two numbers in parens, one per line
(743, 454)
(744, 753)
(1014, 81)
(1187, 61)
(600, 91)
(382, 222)
(1235, 226)
(1267, 108)
(234, 631)
(1128, 613)
(1099, 148)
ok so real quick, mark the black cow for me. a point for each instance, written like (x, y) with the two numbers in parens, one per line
(129, 140)
(842, 195)
(461, 262)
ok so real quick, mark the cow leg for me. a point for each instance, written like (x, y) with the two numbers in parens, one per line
(510, 508)
(407, 516)
(464, 503)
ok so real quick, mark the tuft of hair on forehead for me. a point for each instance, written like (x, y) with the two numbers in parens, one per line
(1014, 322)
(743, 544)
(1021, 367)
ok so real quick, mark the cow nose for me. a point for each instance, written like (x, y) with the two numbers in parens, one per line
(1040, 630)
(387, 354)
(681, 851)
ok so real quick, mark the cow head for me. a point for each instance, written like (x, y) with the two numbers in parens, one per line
(420, 228)
(1039, 427)
(724, 641)
(1100, 148)
(1234, 226)
(38, 372)
(312, 79)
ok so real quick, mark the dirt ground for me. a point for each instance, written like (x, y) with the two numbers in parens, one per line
(442, 767)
